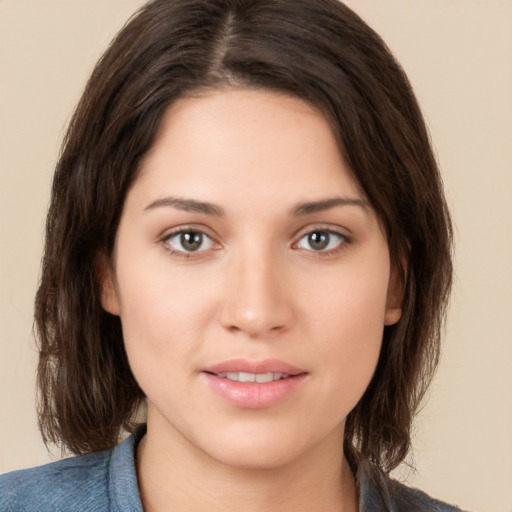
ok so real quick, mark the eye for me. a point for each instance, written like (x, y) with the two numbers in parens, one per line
(321, 241)
(189, 241)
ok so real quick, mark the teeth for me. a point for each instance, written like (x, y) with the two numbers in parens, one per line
(252, 377)
(265, 377)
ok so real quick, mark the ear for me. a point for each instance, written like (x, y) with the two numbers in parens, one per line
(395, 295)
(106, 282)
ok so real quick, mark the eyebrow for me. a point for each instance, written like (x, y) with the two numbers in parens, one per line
(327, 204)
(192, 205)
(187, 205)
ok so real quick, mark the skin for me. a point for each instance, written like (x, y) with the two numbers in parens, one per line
(255, 289)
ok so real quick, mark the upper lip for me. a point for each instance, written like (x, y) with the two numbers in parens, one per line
(250, 366)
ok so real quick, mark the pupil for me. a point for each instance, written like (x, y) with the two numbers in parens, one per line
(319, 240)
(191, 241)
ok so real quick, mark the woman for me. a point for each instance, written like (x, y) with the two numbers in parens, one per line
(248, 236)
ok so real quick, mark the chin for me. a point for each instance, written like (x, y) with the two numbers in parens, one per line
(255, 457)
(253, 449)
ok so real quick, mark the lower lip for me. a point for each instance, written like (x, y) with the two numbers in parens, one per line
(254, 395)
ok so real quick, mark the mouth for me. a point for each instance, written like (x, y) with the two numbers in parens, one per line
(246, 370)
(254, 384)
(260, 378)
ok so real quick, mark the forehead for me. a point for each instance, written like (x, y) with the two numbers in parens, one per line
(232, 143)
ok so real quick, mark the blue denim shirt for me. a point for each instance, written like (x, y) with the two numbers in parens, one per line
(107, 481)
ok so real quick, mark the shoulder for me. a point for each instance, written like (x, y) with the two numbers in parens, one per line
(412, 500)
(379, 493)
(80, 481)
(97, 482)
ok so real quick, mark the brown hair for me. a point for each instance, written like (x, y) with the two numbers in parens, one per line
(317, 50)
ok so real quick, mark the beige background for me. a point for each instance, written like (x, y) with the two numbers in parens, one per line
(458, 54)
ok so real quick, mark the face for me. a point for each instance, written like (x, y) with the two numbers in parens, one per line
(252, 280)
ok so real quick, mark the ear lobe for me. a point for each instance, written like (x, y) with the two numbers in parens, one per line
(105, 278)
(392, 315)
(395, 294)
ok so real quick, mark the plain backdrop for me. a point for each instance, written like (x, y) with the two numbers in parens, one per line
(458, 55)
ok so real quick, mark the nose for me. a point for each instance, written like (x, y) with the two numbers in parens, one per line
(257, 297)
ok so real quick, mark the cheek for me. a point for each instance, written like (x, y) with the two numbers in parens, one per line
(354, 326)
(351, 304)
(163, 316)
(349, 324)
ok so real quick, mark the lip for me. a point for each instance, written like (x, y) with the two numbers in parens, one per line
(246, 365)
(254, 395)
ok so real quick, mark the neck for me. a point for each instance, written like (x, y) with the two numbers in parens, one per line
(177, 477)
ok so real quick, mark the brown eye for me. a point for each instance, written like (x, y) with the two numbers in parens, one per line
(189, 241)
(318, 240)
(321, 241)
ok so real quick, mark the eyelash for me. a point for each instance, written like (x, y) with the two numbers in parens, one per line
(343, 241)
(165, 240)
